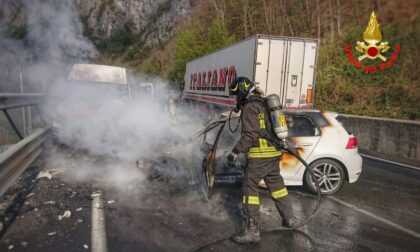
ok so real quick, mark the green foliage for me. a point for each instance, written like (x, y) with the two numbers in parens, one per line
(341, 87)
(192, 43)
(189, 45)
(218, 36)
(391, 93)
(117, 43)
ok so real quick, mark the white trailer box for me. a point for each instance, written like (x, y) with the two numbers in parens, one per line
(281, 65)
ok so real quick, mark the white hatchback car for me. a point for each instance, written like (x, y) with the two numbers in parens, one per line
(318, 137)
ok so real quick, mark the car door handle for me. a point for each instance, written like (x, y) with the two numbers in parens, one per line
(305, 144)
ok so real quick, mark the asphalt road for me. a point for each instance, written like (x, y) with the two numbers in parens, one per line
(381, 212)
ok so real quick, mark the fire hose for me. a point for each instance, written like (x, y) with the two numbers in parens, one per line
(292, 227)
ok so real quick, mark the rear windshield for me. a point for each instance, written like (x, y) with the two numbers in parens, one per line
(319, 119)
(340, 120)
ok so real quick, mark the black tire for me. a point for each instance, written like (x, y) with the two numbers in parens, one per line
(330, 174)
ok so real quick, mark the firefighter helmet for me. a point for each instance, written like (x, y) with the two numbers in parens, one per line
(241, 87)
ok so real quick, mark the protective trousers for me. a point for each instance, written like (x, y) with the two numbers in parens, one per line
(268, 170)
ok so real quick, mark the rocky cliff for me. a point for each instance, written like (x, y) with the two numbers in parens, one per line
(40, 37)
(152, 20)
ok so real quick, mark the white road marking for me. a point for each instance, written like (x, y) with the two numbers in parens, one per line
(391, 162)
(390, 223)
(98, 225)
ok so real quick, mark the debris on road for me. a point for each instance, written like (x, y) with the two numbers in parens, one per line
(29, 195)
(266, 210)
(44, 174)
(51, 202)
(52, 233)
(10, 247)
(66, 215)
(86, 246)
(111, 201)
(79, 209)
(95, 195)
(71, 194)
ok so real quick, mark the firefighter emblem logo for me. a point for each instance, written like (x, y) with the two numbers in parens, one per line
(372, 47)
(372, 37)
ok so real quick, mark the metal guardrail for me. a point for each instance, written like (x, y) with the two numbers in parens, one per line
(25, 101)
(14, 160)
(17, 158)
(16, 100)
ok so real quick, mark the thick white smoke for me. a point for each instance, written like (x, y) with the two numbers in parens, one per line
(55, 31)
(92, 117)
(51, 38)
(102, 120)
(103, 123)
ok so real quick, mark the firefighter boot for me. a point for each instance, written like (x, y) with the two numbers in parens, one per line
(284, 208)
(251, 233)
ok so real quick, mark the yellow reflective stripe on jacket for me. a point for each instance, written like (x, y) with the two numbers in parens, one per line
(263, 142)
(263, 151)
(264, 155)
(261, 120)
(253, 200)
(280, 193)
(266, 152)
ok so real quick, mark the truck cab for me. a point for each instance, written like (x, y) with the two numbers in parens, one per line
(88, 86)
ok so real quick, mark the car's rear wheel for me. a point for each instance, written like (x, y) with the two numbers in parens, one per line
(328, 173)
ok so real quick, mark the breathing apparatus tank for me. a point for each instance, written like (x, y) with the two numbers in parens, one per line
(278, 120)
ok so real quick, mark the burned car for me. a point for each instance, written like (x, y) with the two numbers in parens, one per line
(318, 137)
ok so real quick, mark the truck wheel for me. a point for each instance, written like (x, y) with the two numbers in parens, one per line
(329, 174)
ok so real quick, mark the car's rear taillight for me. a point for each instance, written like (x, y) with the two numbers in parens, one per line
(352, 143)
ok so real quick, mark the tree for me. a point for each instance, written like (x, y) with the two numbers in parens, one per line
(318, 20)
(192, 43)
(218, 36)
(338, 18)
(331, 20)
(188, 45)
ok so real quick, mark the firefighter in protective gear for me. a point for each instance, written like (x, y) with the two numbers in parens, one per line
(262, 159)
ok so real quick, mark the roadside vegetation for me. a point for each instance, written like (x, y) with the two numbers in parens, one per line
(213, 24)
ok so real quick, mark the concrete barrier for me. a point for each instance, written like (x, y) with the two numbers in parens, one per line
(399, 139)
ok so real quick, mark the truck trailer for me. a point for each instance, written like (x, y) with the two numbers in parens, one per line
(282, 65)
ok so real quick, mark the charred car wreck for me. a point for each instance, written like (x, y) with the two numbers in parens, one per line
(319, 138)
